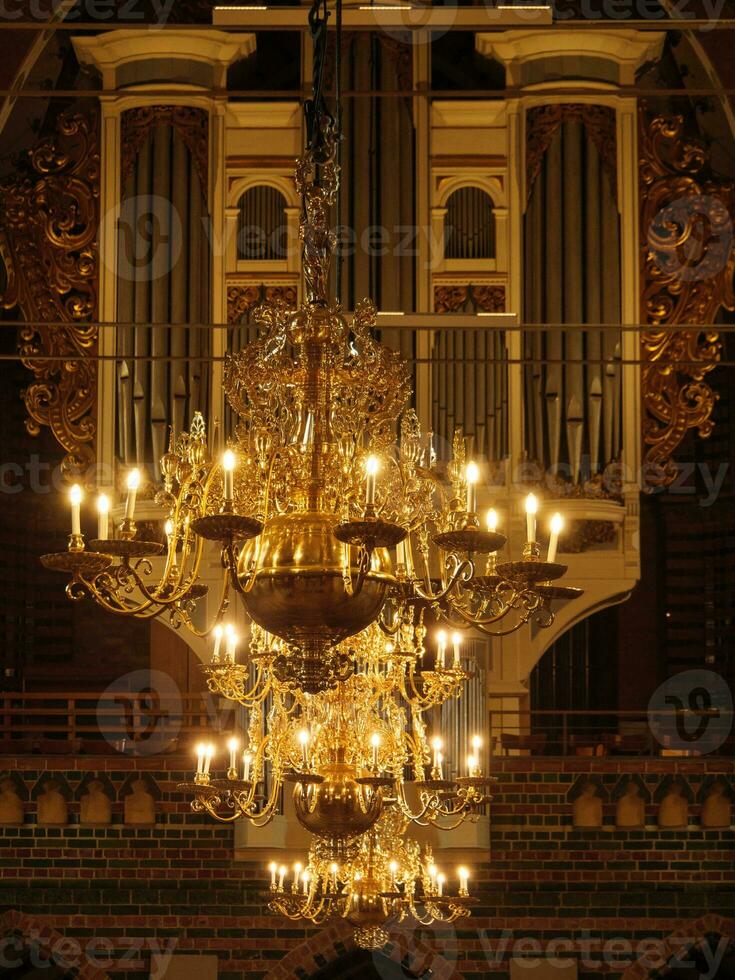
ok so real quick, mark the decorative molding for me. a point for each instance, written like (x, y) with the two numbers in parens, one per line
(190, 123)
(623, 50)
(687, 274)
(243, 297)
(542, 123)
(453, 298)
(48, 242)
(115, 50)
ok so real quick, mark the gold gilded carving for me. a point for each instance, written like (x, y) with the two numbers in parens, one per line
(452, 298)
(542, 122)
(191, 124)
(244, 297)
(48, 242)
(688, 265)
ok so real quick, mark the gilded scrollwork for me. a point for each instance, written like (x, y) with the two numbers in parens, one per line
(244, 297)
(687, 270)
(456, 298)
(48, 243)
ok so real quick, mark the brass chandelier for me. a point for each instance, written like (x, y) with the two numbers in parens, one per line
(346, 543)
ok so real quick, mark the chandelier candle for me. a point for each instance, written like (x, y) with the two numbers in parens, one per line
(557, 526)
(273, 868)
(371, 471)
(375, 742)
(463, 879)
(233, 745)
(246, 760)
(103, 517)
(228, 465)
(456, 645)
(531, 511)
(75, 498)
(231, 643)
(441, 637)
(133, 483)
(218, 631)
(472, 475)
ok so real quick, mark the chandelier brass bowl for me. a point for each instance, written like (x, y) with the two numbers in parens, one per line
(337, 809)
(297, 567)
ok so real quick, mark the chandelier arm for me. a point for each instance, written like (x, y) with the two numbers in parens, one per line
(461, 567)
(219, 615)
(415, 816)
(230, 562)
(120, 608)
(363, 567)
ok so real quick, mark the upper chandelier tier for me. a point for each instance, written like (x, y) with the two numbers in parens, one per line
(327, 504)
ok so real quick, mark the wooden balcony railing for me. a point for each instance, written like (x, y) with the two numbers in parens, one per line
(674, 732)
(149, 723)
(135, 723)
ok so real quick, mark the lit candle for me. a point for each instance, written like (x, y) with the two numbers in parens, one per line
(169, 529)
(463, 879)
(432, 876)
(246, 760)
(228, 465)
(441, 637)
(281, 876)
(492, 520)
(231, 643)
(75, 497)
(531, 510)
(476, 746)
(334, 868)
(472, 475)
(297, 868)
(456, 643)
(305, 878)
(273, 868)
(375, 742)
(103, 517)
(304, 741)
(371, 469)
(472, 765)
(208, 758)
(201, 750)
(393, 866)
(436, 744)
(557, 525)
(133, 484)
(217, 642)
(440, 879)
(233, 745)
(400, 554)
(407, 553)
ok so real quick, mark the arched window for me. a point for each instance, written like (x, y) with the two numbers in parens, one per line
(261, 225)
(469, 225)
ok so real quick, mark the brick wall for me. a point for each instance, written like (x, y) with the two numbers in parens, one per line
(132, 890)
